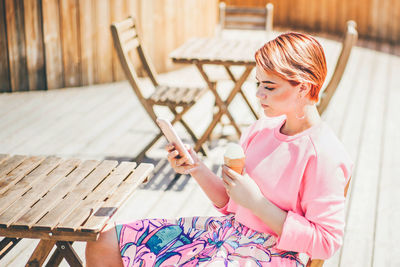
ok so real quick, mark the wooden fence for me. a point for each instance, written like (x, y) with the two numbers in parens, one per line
(376, 19)
(46, 44)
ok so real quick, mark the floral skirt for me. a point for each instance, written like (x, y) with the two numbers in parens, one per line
(199, 241)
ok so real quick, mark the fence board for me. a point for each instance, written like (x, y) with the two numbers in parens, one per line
(103, 55)
(34, 44)
(52, 43)
(16, 45)
(5, 85)
(87, 35)
(70, 42)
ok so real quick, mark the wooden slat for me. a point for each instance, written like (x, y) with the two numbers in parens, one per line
(118, 13)
(87, 42)
(5, 84)
(46, 235)
(26, 183)
(131, 44)
(97, 221)
(95, 199)
(16, 45)
(38, 190)
(367, 173)
(52, 43)
(103, 71)
(387, 215)
(79, 192)
(10, 164)
(70, 42)
(55, 195)
(18, 173)
(34, 44)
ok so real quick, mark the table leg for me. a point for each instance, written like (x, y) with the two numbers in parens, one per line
(7, 244)
(220, 103)
(40, 253)
(228, 70)
(69, 253)
(55, 259)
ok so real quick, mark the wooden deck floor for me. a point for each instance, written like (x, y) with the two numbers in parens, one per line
(107, 121)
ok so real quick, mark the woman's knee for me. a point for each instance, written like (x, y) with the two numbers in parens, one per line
(104, 251)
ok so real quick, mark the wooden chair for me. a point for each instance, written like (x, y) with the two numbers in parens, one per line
(349, 41)
(317, 262)
(245, 18)
(179, 100)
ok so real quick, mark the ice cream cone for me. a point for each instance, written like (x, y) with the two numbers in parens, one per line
(234, 157)
(235, 164)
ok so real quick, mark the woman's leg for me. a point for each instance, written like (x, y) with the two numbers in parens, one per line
(105, 251)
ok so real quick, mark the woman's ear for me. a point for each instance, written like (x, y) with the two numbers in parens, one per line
(304, 89)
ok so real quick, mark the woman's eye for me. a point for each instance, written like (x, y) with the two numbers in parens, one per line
(265, 87)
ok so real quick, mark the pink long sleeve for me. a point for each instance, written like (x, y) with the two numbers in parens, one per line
(305, 175)
(320, 230)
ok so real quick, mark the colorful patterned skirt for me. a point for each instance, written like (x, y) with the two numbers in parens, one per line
(199, 241)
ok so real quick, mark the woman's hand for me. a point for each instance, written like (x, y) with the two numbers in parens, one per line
(241, 188)
(181, 164)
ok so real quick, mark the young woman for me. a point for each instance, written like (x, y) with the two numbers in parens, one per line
(289, 200)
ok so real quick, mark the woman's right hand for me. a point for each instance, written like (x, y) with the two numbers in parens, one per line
(181, 164)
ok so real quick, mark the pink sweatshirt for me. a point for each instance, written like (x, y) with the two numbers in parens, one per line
(303, 175)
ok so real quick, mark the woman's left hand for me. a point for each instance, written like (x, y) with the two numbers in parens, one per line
(241, 188)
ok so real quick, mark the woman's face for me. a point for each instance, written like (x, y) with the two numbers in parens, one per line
(277, 96)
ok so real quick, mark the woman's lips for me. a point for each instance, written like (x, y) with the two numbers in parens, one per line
(264, 106)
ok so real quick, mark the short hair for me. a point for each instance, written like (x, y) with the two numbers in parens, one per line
(297, 58)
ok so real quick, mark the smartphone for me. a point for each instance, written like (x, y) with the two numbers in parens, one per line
(173, 138)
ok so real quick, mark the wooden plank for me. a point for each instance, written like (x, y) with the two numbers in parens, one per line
(55, 118)
(34, 45)
(16, 45)
(10, 164)
(97, 221)
(5, 84)
(55, 195)
(79, 192)
(103, 48)
(46, 235)
(118, 13)
(18, 173)
(87, 40)
(387, 216)
(38, 190)
(70, 42)
(364, 195)
(96, 198)
(26, 183)
(52, 44)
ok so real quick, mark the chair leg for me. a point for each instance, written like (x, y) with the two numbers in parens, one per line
(40, 253)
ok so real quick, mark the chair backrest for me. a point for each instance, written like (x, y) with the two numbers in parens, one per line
(349, 41)
(245, 18)
(126, 40)
(317, 262)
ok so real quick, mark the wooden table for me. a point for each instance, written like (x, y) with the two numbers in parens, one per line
(60, 201)
(227, 53)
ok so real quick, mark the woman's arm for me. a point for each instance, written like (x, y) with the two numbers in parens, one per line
(245, 192)
(210, 183)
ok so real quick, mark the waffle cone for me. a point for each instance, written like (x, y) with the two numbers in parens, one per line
(235, 164)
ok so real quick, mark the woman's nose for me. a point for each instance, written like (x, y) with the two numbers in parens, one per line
(260, 95)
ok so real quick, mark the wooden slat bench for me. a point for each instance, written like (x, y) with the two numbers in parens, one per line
(60, 201)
